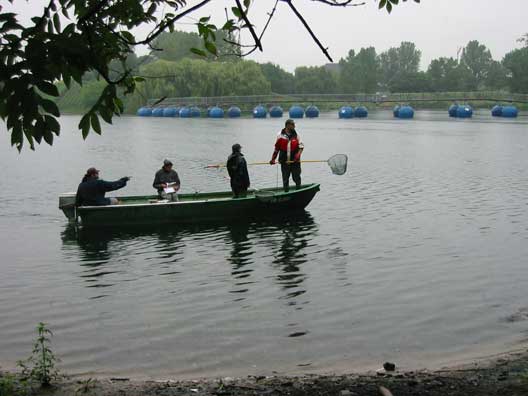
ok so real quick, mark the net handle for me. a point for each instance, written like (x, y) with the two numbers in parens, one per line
(263, 163)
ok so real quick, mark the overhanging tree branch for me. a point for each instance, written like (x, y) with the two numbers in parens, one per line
(303, 21)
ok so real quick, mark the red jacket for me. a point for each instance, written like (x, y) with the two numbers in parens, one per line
(287, 145)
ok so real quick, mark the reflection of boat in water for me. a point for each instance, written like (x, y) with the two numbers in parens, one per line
(191, 208)
(235, 231)
(165, 248)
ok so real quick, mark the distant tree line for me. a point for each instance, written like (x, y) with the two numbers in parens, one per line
(171, 70)
(397, 70)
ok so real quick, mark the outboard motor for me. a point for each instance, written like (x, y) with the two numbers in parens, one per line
(67, 205)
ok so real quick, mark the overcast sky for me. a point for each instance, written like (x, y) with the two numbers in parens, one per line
(437, 27)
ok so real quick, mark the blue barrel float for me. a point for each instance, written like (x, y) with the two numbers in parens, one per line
(144, 112)
(496, 111)
(170, 112)
(361, 112)
(195, 111)
(259, 112)
(185, 112)
(234, 112)
(216, 112)
(396, 111)
(464, 111)
(157, 112)
(406, 112)
(510, 111)
(346, 112)
(312, 112)
(296, 112)
(276, 112)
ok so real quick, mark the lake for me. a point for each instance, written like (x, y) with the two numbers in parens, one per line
(417, 255)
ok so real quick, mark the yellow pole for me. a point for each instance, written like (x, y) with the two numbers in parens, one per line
(263, 163)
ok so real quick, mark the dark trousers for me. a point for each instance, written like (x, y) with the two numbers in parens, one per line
(239, 192)
(294, 170)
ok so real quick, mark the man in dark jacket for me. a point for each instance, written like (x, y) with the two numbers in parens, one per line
(91, 191)
(167, 182)
(237, 169)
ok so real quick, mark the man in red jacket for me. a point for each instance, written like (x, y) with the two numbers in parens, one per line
(288, 148)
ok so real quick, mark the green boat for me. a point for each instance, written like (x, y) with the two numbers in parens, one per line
(190, 208)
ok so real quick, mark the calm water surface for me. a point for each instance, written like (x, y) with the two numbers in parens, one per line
(417, 255)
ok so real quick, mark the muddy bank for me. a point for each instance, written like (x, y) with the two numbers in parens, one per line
(504, 376)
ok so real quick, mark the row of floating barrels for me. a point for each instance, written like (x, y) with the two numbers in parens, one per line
(504, 111)
(232, 112)
(465, 111)
(258, 112)
(399, 111)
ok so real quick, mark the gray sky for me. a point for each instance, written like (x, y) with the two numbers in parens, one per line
(437, 27)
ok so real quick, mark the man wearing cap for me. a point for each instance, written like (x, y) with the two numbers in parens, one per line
(288, 147)
(167, 182)
(237, 169)
(91, 191)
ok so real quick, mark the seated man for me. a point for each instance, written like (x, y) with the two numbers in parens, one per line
(91, 191)
(167, 182)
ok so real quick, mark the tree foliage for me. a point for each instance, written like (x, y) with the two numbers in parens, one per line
(73, 37)
(281, 81)
(359, 72)
(516, 62)
(477, 58)
(315, 79)
(175, 45)
(397, 63)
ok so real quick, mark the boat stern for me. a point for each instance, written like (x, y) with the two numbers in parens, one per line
(67, 205)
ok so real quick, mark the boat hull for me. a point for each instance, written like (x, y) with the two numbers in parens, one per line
(195, 208)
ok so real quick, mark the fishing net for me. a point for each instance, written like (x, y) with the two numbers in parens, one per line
(338, 164)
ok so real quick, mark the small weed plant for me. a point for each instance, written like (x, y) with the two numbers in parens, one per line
(10, 385)
(40, 366)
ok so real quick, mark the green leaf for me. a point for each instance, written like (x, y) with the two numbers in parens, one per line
(95, 123)
(198, 52)
(52, 124)
(205, 19)
(211, 47)
(247, 3)
(105, 114)
(48, 137)
(17, 136)
(84, 125)
(236, 11)
(152, 9)
(389, 7)
(139, 79)
(128, 36)
(382, 4)
(119, 105)
(48, 88)
(56, 22)
(50, 107)
(29, 137)
(228, 25)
